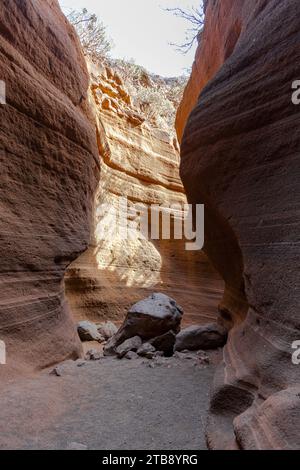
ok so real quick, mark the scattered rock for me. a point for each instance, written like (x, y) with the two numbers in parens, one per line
(149, 364)
(110, 347)
(160, 361)
(94, 355)
(150, 318)
(158, 354)
(107, 329)
(88, 332)
(203, 358)
(80, 363)
(165, 343)
(131, 355)
(64, 368)
(131, 344)
(76, 446)
(56, 371)
(193, 338)
(185, 356)
(147, 350)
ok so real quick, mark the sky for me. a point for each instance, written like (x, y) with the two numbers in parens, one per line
(142, 30)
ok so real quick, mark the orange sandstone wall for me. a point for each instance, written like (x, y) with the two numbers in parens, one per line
(49, 172)
(139, 162)
(240, 156)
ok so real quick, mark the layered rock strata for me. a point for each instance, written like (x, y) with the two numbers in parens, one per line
(139, 162)
(240, 156)
(49, 172)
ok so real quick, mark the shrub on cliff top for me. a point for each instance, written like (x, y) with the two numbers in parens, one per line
(92, 34)
(155, 97)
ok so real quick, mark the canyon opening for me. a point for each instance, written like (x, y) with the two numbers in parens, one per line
(149, 228)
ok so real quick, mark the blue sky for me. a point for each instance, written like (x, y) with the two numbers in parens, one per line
(142, 30)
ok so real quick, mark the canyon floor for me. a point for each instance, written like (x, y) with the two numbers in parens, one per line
(109, 405)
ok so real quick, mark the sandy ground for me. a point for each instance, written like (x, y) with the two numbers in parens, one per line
(109, 405)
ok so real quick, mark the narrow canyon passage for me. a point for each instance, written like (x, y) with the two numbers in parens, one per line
(138, 343)
(139, 160)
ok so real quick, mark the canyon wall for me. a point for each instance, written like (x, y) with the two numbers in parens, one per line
(139, 162)
(49, 172)
(240, 156)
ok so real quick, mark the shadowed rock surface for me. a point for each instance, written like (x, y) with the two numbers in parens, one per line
(131, 344)
(108, 405)
(165, 343)
(240, 157)
(195, 337)
(49, 171)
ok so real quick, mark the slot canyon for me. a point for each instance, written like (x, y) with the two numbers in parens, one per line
(72, 140)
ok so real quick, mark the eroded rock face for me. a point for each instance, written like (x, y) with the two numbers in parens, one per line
(240, 157)
(49, 171)
(139, 162)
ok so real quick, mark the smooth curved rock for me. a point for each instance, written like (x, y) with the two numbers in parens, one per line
(280, 415)
(197, 337)
(240, 158)
(49, 172)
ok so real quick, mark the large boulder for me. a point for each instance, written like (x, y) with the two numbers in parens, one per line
(197, 337)
(149, 318)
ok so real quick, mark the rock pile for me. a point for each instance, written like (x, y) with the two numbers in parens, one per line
(152, 329)
(154, 321)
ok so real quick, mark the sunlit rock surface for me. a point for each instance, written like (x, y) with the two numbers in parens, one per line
(141, 163)
(240, 156)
